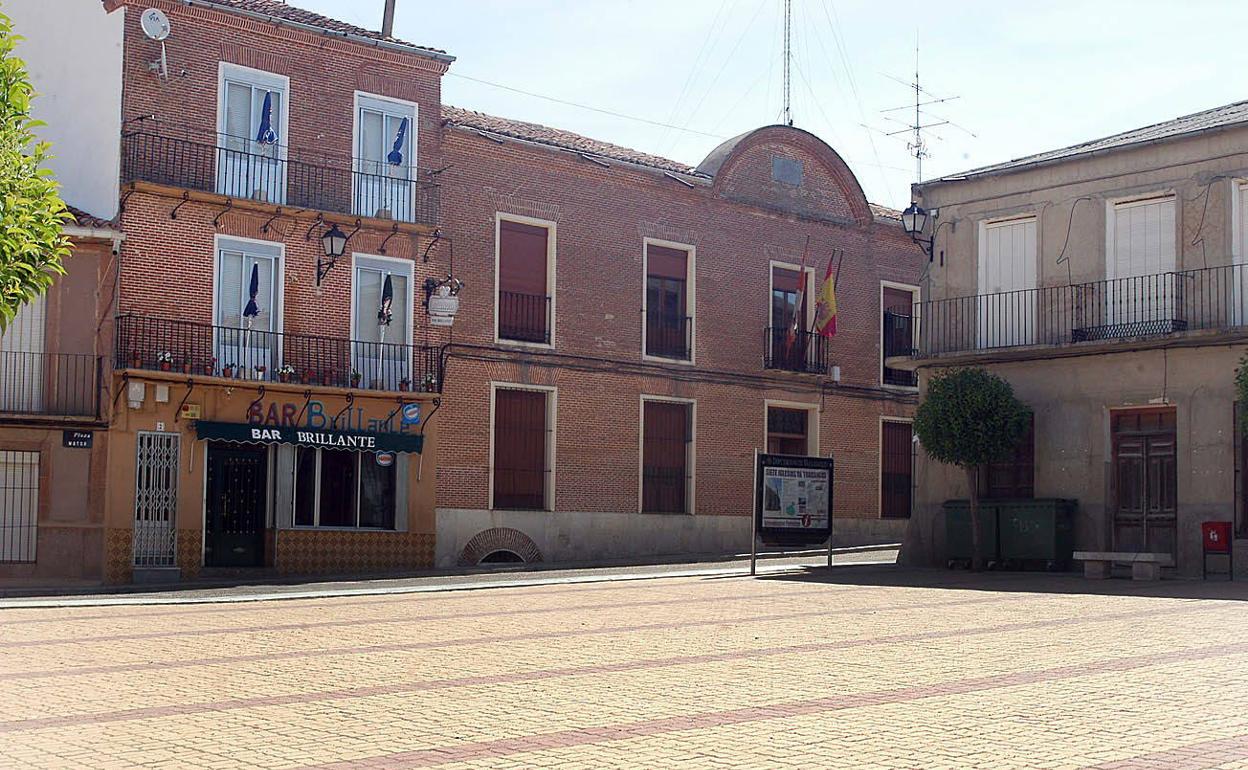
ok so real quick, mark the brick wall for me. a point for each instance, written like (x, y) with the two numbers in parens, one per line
(738, 224)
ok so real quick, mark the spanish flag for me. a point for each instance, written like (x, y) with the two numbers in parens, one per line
(825, 311)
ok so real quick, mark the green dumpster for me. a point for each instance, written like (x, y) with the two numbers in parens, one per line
(958, 530)
(1036, 533)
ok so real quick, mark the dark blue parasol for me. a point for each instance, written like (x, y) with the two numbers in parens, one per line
(396, 154)
(266, 134)
(384, 314)
(252, 310)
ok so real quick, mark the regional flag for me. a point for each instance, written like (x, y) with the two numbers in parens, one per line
(825, 311)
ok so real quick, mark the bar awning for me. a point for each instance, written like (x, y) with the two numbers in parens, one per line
(362, 441)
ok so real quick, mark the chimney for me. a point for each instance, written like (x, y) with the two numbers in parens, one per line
(387, 20)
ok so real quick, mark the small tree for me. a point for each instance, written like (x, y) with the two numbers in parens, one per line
(1241, 393)
(970, 418)
(32, 242)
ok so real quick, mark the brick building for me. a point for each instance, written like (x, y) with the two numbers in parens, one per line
(621, 349)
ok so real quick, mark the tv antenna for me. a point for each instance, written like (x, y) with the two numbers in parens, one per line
(155, 25)
(788, 55)
(917, 143)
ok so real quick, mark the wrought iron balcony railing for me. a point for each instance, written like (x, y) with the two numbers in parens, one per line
(1120, 308)
(239, 168)
(524, 317)
(50, 384)
(795, 351)
(669, 336)
(160, 344)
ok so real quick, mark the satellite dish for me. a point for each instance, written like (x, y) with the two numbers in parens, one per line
(155, 24)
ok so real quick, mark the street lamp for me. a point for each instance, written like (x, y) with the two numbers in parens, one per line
(914, 221)
(333, 243)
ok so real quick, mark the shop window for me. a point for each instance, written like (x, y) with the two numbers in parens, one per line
(339, 488)
(1015, 476)
(788, 431)
(521, 448)
(524, 309)
(667, 443)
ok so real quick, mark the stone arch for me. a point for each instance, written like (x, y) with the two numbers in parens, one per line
(488, 541)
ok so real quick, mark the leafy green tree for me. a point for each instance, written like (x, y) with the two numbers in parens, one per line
(970, 418)
(1241, 393)
(32, 242)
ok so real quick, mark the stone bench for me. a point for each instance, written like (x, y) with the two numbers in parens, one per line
(1144, 566)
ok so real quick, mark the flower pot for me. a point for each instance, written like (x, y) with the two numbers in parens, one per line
(186, 368)
(165, 366)
(403, 386)
(227, 371)
(283, 377)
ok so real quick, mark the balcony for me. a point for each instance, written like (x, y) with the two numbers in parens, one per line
(49, 385)
(240, 169)
(669, 336)
(524, 317)
(791, 351)
(898, 334)
(1214, 298)
(158, 344)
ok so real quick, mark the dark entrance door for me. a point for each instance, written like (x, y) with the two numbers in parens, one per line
(237, 501)
(1145, 481)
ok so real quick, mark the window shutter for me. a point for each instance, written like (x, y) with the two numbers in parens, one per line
(371, 137)
(522, 258)
(367, 302)
(666, 434)
(662, 262)
(230, 302)
(238, 98)
(520, 436)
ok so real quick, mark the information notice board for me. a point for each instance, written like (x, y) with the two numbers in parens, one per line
(793, 499)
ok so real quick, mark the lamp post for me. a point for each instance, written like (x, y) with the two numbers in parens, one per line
(333, 243)
(914, 221)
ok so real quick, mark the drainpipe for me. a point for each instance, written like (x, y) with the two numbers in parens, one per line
(387, 20)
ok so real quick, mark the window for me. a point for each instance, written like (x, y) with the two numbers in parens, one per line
(525, 310)
(896, 463)
(1015, 476)
(22, 359)
(385, 158)
(897, 334)
(341, 488)
(790, 343)
(666, 456)
(1007, 279)
(668, 316)
(1141, 244)
(522, 448)
(252, 134)
(19, 505)
(789, 431)
(380, 350)
(245, 337)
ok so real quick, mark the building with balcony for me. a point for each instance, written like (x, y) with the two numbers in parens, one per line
(635, 328)
(1106, 282)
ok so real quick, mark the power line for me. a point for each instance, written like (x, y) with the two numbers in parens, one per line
(598, 110)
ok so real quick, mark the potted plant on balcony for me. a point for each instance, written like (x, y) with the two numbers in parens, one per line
(259, 370)
(405, 384)
(429, 383)
(136, 360)
(186, 365)
(165, 359)
(285, 372)
(210, 366)
(227, 371)
(355, 378)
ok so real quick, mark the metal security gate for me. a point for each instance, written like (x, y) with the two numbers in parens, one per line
(19, 505)
(155, 499)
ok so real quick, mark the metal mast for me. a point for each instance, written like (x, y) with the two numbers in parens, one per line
(788, 18)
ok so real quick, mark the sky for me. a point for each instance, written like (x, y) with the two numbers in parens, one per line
(1027, 77)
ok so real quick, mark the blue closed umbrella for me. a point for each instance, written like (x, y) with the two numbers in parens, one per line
(252, 310)
(396, 154)
(384, 314)
(265, 134)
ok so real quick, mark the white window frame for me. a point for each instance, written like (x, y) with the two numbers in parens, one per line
(1239, 192)
(914, 329)
(551, 251)
(316, 498)
(879, 467)
(405, 107)
(1111, 211)
(552, 428)
(810, 287)
(256, 78)
(691, 298)
(691, 459)
(241, 244)
(813, 447)
(404, 266)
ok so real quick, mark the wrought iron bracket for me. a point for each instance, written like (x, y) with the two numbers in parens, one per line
(307, 399)
(437, 236)
(259, 398)
(393, 232)
(437, 404)
(264, 228)
(229, 204)
(344, 410)
(186, 198)
(318, 222)
(190, 386)
(121, 206)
